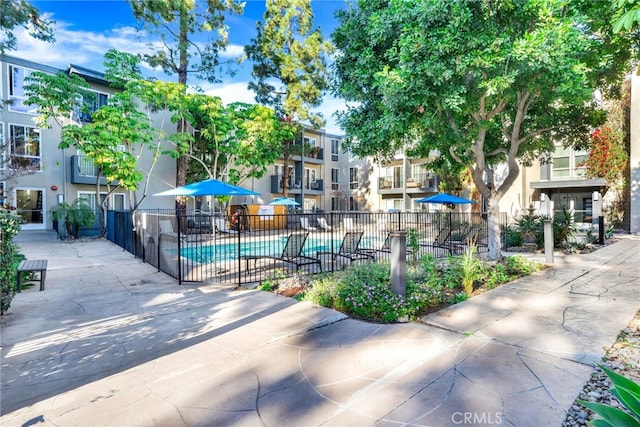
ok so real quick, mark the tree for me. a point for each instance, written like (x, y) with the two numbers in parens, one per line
(19, 13)
(488, 85)
(133, 122)
(628, 15)
(287, 50)
(178, 23)
(232, 143)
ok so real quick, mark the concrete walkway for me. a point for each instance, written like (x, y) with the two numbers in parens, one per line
(112, 342)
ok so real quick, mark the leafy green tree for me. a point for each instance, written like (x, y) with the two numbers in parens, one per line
(289, 69)
(20, 13)
(178, 22)
(487, 85)
(628, 15)
(134, 122)
(231, 143)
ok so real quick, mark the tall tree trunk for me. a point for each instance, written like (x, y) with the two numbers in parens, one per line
(181, 162)
(493, 226)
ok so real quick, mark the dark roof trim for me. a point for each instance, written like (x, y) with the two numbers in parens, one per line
(570, 185)
(90, 76)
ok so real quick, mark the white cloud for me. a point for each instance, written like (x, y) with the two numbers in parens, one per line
(239, 92)
(230, 92)
(78, 47)
(233, 51)
(87, 48)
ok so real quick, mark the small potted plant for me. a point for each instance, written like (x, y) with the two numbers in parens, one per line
(74, 216)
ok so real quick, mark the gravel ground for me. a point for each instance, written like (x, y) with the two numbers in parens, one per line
(624, 358)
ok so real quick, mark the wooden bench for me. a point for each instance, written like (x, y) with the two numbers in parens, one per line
(32, 266)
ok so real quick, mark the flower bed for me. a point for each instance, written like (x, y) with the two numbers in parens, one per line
(363, 291)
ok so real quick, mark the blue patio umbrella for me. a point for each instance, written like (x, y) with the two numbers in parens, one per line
(445, 199)
(284, 201)
(208, 187)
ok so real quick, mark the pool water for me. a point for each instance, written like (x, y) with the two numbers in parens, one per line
(229, 251)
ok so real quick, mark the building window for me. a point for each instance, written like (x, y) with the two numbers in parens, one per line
(335, 204)
(395, 205)
(353, 204)
(309, 178)
(353, 178)
(116, 201)
(91, 105)
(24, 143)
(309, 140)
(335, 147)
(17, 81)
(335, 179)
(568, 162)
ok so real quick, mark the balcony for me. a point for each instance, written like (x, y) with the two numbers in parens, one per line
(316, 155)
(315, 187)
(312, 187)
(421, 183)
(83, 171)
(390, 185)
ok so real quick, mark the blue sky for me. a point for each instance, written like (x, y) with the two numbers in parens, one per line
(86, 29)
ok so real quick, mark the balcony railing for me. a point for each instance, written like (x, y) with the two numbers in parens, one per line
(83, 171)
(419, 182)
(295, 186)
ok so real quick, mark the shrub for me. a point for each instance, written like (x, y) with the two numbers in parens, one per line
(364, 290)
(513, 237)
(564, 228)
(75, 216)
(10, 257)
(413, 243)
(322, 291)
(518, 266)
(496, 276)
(470, 269)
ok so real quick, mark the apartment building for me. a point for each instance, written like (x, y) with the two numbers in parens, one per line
(400, 182)
(323, 177)
(36, 175)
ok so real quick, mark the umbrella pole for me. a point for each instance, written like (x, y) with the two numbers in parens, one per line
(450, 233)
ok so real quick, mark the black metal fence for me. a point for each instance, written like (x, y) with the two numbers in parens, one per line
(252, 248)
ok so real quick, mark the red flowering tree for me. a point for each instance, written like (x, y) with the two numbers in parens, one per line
(608, 156)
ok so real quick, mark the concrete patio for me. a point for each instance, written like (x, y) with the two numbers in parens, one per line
(113, 342)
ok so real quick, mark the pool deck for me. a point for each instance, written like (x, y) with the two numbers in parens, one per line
(113, 342)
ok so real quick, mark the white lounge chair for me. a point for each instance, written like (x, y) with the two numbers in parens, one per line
(323, 224)
(304, 222)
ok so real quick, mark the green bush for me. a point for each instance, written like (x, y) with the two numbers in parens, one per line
(518, 266)
(364, 290)
(10, 257)
(513, 237)
(74, 216)
(532, 226)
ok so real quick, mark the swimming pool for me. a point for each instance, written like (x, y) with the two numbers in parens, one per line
(228, 251)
